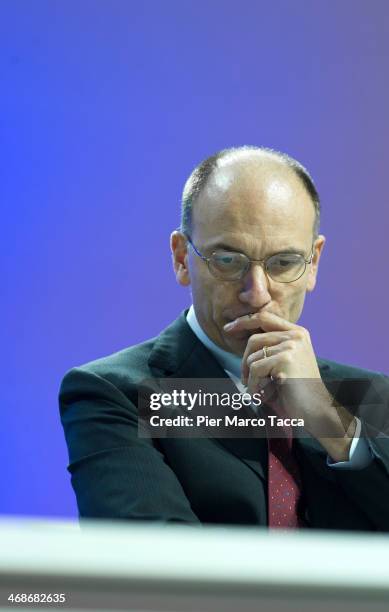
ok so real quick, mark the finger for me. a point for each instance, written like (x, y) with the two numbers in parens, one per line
(277, 342)
(265, 321)
(259, 371)
(270, 321)
(247, 322)
(258, 341)
(269, 368)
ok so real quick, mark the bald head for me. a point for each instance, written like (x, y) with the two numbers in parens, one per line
(246, 168)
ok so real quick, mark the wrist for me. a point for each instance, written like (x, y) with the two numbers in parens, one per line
(337, 433)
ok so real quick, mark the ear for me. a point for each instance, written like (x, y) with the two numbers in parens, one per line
(179, 248)
(314, 266)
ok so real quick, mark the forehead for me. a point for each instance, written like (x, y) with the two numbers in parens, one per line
(256, 199)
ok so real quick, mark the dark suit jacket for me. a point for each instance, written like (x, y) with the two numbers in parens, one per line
(116, 474)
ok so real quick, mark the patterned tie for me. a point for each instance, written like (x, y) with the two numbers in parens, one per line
(284, 482)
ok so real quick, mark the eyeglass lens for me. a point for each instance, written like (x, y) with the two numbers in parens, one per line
(282, 267)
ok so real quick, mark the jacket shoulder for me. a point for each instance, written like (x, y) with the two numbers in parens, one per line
(122, 369)
(334, 369)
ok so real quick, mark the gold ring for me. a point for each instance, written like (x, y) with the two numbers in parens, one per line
(265, 352)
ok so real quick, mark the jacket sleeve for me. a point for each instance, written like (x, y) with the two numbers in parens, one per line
(114, 473)
(368, 487)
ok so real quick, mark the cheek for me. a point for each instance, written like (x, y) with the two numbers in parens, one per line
(288, 300)
(203, 290)
(201, 283)
(225, 293)
(221, 296)
(295, 302)
(212, 295)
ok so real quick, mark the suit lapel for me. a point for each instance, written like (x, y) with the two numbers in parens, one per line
(178, 353)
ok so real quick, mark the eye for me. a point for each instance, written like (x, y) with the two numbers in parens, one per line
(225, 259)
(228, 265)
(285, 260)
(285, 267)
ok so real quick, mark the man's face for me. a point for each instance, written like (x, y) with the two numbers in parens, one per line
(259, 208)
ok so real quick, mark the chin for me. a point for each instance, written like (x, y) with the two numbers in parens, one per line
(236, 345)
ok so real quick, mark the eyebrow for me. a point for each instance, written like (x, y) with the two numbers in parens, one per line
(227, 247)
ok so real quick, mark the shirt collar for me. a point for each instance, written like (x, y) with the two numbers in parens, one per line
(228, 361)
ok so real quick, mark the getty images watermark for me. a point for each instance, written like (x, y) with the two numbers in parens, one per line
(216, 408)
(189, 401)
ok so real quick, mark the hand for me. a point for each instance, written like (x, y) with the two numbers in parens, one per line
(290, 355)
(289, 349)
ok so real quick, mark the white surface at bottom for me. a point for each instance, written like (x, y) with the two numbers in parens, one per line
(177, 568)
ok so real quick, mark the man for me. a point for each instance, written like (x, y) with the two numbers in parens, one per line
(249, 248)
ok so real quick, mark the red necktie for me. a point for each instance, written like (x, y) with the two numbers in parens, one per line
(284, 482)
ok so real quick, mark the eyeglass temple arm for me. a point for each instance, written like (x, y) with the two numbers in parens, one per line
(195, 250)
(308, 261)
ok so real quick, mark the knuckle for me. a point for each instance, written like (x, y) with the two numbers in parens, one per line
(253, 341)
(289, 345)
(280, 377)
(299, 333)
(251, 359)
(288, 357)
(255, 367)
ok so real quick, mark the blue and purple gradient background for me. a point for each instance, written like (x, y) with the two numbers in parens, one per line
(106, 106)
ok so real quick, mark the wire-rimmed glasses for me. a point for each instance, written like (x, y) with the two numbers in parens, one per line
(283, 267)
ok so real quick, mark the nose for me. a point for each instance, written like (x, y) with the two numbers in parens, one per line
(255, 287)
